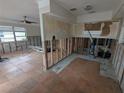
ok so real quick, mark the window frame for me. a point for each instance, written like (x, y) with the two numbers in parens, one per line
(20, 36)
(14, 34)
(11, 30)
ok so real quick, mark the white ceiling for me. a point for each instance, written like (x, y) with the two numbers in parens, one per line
(16, 9)
(98, 5)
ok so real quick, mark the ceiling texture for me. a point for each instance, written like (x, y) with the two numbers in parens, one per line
(91, 6)
(16, 9)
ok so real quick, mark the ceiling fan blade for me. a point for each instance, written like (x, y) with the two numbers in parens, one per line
(28, 22)
(25, 21)
(34, 22)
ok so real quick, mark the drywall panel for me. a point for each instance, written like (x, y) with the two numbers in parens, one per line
(55, 27)
(78, 30)
(114, 29)
(95, 17)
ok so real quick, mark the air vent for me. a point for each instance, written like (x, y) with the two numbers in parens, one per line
(73, 9)
(88, 8)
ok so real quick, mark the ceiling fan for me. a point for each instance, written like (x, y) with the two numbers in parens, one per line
(25, 20)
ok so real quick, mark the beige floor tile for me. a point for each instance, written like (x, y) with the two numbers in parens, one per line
(20, 73)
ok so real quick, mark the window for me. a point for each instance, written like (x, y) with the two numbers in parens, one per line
(6, 34)
(20, 33)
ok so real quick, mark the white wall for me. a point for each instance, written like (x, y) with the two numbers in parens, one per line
(58, 11)
(44, 6)
(95, 17)
(32, 30)
(118, 12)
(121, 39)
(51, 7)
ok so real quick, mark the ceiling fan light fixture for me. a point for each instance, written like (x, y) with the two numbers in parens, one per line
(26, 21)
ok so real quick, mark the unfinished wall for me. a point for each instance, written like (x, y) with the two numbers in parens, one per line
(55, 27)
(121, 38)
(118, 63)
(79, 30)
(33, 36)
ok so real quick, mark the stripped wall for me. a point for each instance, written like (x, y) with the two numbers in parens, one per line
(118, 64)
(61, 29)
(10, 47)
(33, 36)
(78, 30)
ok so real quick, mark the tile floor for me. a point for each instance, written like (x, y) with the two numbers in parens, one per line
(106, 68)
(23, 72)
(80, 76)
(20, 73)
